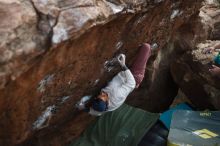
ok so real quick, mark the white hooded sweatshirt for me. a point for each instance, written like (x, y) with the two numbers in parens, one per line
(117, 89)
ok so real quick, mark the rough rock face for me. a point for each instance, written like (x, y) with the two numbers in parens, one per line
(53, 52)
(20, 40)
(190, 71)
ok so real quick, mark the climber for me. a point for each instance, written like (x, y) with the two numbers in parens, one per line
(215, 70)
(115, 93)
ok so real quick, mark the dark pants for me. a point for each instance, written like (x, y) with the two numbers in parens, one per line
(139, 65)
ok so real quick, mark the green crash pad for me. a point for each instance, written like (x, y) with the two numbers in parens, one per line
(122, 127)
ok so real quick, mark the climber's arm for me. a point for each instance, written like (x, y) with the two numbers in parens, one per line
(126, 73)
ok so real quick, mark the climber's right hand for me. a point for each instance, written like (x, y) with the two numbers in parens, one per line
(121, 59)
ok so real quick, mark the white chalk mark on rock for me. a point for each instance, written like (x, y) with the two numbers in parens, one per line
(140, 20)
(43, 120)
(107, 67)
(175, 13)
(115, 8)
(60, 34)
(119, 45)
(43, 83)
(110, 64)
(96, 82)
(64, 99)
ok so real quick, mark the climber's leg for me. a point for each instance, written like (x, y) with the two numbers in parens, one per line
(139, 65)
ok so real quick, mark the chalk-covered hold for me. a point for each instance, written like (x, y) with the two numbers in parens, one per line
(60, 34)
(115, 8)
(64, 99)
(44, 118)
(43, 83)
(119, 45)
(175, 13)
(110, 64)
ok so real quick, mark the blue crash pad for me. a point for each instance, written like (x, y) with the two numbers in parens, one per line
(167, 115)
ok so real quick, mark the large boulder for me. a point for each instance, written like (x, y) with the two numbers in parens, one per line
(54, 52)
(20, 40)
